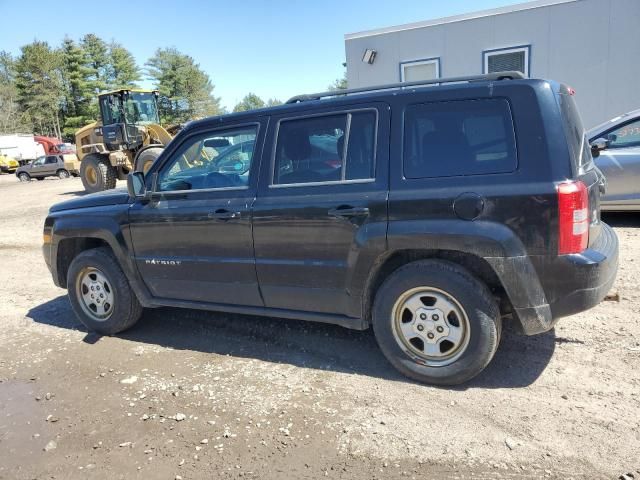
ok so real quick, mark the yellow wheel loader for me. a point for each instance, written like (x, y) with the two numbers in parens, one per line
(127, 137)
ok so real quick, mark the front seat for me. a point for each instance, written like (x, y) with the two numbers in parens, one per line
(297, 148)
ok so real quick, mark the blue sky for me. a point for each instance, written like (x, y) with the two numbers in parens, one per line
(272, 48)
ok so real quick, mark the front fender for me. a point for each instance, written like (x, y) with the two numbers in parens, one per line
(109, 225)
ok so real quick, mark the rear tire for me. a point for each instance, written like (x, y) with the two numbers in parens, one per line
(436, 323)
(146, 158)
(100, 294)
(24, 177)
(62, 174)
(97, 173)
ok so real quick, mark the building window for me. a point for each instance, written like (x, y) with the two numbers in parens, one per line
(418, 70)
(507, 59)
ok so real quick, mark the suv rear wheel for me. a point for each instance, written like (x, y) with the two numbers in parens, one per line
(62, 174)
(100, 294)
(436, 323)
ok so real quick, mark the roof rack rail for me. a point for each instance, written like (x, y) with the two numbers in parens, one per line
(508, 75)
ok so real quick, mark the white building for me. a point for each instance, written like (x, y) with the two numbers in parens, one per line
(591, 45)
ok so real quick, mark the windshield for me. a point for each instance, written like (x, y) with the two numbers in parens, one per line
(141, 108)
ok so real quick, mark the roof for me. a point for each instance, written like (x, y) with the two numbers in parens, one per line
(613, 122)
(118, 90)
(518, 7)
(368, 94)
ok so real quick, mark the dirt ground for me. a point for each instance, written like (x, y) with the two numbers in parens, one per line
(188, 394)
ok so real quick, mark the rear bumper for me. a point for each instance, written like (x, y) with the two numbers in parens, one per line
(543, 289)
(588, 277)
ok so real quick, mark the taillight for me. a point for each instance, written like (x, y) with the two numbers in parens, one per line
(573, 217)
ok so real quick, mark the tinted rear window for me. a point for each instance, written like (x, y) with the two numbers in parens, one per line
(462, 137)
(574, 130)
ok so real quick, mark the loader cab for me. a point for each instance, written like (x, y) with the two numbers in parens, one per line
(123, 113)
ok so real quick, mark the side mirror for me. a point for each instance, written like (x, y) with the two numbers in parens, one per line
(598, 145)
(135, 185)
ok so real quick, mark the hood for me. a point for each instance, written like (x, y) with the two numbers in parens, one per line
(117, 196)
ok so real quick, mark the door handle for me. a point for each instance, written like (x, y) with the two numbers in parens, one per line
(346, 211)
(224, 215)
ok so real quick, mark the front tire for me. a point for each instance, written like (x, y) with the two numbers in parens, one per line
(100, 294)
(24, 177)
(436, 323)
(97, 173)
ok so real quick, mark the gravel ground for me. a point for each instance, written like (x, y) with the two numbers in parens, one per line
(188, 394)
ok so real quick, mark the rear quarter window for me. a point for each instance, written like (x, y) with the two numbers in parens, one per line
(462, 137)
(574, 130)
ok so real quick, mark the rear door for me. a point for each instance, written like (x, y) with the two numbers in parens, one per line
(322, 198)
(50, 165)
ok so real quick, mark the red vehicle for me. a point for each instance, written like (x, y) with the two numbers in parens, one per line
(54, 146)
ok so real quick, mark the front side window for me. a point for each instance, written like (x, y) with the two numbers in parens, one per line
(329, 148)
(625, 136)
(220, 159)
(466, 137)
(39, 161)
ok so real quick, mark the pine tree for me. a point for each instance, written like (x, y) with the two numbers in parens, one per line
(11, 119)
(39, 86)
(98, 61)
(122, 70)
(251, 101)
(78, 92)
(186, 91)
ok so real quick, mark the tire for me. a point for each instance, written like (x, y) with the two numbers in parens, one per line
(24, 177)
(97, 173)
(62, 174)
(443, 294)
(146, 158)
(98, 268)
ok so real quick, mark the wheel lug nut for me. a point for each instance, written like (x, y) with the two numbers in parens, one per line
(430, 335)
(420, 328)
(440, 329)
(423, 316)
(435, 317)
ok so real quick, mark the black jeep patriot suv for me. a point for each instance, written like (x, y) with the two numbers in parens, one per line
(430, 212)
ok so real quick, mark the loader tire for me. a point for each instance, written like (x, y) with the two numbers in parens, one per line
(146, 158)
(97, 173)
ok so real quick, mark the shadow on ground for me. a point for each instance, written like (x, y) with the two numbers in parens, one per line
(518, 362)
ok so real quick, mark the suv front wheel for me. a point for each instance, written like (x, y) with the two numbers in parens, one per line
(100, 294)
(436, 323)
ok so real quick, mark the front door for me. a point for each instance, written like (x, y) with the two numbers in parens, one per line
(321, 210)
(620, 163)
(192, 240)
(38, 167)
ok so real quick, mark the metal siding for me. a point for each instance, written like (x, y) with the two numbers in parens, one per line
(592, 45)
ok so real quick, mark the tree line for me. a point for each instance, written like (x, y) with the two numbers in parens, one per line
(53, 90)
